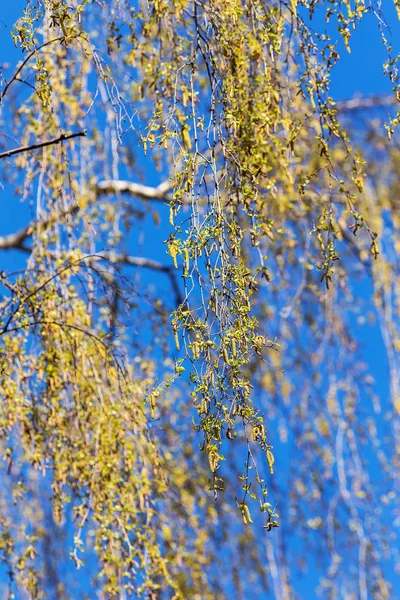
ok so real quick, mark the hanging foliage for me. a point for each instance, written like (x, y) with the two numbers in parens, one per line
(206, 236)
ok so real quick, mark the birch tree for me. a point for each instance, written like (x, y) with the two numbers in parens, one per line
(187, 407)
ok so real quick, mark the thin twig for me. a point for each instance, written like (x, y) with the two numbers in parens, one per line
(21, 66)
(62, 138)
(147, 263)
(28, 58)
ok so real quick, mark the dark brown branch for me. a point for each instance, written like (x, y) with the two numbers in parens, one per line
(21, 66)
(15, 241)
(62, 138)
(28, 58)
(139, 261)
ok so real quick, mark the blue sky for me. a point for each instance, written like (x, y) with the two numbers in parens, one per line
(360, 72)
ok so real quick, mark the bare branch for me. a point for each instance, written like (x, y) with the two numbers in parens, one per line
(139, 261)
(366, 103)
(15, 240)
(145, 192)
(62, 138)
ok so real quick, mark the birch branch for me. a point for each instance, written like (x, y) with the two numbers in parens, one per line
(366, 103)
(61, 138)
(139, 261)
(125, 259)
(111, 186)
(24, 62)
(15, 240)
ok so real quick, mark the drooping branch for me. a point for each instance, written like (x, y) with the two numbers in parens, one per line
(139, 261)
(61, 138)
(24, 62)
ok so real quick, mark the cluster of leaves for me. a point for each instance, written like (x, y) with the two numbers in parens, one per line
(239, 112)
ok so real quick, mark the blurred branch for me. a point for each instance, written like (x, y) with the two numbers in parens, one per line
(117, 186)
(139, 261)
(15, 240)
(366, 103)
(351, 240)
